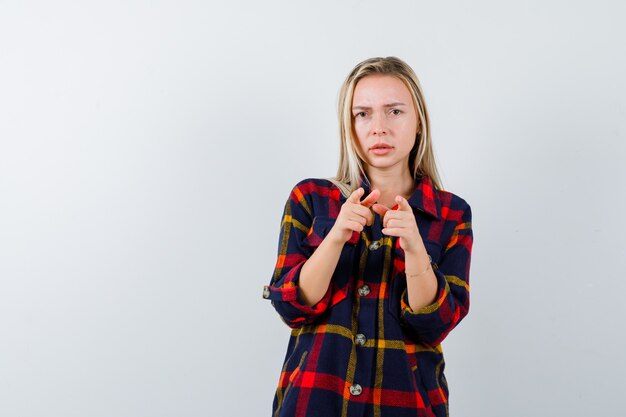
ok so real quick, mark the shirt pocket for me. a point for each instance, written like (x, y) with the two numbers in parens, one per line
(431, 366)
(295, 377)
(318, 231)
(298, 369)
(341, 280)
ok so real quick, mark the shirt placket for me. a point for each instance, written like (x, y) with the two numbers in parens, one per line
(366, 315)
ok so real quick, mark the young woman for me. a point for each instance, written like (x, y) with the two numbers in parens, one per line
(373, 264)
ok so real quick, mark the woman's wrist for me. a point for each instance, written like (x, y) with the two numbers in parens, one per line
(418, 274)
(417, 263)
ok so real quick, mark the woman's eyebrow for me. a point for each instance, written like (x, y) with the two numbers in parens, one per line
(396, 104)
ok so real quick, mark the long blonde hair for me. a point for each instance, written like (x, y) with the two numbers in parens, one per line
(421, 157)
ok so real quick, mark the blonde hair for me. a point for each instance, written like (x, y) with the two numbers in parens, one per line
(421, 157)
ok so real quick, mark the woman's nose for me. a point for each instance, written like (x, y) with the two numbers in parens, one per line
(378, 125)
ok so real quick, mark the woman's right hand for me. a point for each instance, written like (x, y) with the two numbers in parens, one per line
(353, 216)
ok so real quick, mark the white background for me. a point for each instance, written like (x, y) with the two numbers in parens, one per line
(147, 150)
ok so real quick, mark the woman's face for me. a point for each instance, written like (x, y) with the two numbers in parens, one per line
(385, 121)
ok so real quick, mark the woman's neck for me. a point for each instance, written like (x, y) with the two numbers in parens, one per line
(391, 184)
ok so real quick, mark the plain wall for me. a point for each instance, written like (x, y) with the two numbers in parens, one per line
(147, 150)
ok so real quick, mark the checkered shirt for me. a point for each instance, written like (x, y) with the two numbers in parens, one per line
(361, 350)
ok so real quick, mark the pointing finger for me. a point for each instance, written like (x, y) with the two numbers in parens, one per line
(356, 195)
(403, 204)
(371, 198)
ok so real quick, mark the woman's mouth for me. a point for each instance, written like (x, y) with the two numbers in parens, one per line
(381, 150)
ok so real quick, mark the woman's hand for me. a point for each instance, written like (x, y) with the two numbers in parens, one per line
(353, 216)
(401, 223)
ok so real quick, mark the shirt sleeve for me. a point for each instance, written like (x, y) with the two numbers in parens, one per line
(296, 243)
(431, 324)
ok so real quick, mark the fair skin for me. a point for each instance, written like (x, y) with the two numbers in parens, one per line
(384, 116)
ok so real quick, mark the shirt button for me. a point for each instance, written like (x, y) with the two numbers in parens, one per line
(364, 290)
(374, 245)
(356, 389)
(266, 292)
(360, 339)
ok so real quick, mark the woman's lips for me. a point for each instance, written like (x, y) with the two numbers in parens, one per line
(381, 151)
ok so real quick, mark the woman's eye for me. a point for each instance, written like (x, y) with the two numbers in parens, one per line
(396, 112)
(360, 114)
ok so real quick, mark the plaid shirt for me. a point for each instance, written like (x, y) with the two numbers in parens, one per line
(362, 350)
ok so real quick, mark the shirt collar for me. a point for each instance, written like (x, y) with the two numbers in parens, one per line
(423, 197)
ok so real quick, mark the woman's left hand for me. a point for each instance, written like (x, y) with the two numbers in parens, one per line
(401, 223)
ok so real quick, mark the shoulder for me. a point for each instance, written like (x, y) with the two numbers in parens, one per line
(316, 197)
(453, 206)
(315, 183)
(311, 188)
(452, 200)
